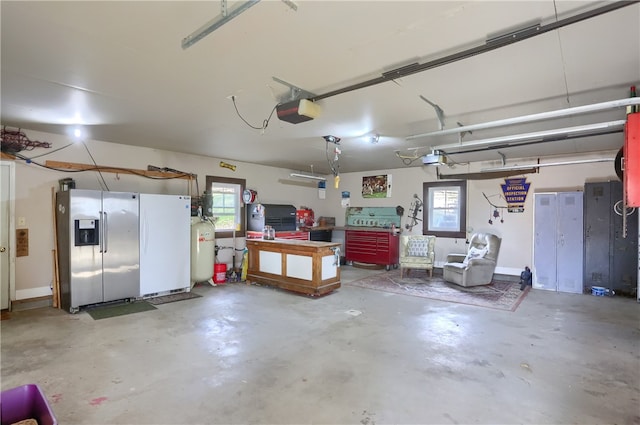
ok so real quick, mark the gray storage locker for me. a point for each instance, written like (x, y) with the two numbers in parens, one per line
(558, 242)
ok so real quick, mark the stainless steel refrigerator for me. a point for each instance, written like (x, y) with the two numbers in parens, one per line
(98, 247)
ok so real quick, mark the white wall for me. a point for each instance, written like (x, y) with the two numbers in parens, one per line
(33, 273)
(33, 197)
(517, 229)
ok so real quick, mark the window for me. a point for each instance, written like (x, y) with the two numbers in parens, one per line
(227, 205)
(445, 212)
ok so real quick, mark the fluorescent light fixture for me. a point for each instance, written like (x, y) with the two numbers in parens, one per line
(550, 164)
(583, 130)
(308, 176)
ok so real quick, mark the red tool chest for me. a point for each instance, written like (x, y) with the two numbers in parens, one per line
(372, 247)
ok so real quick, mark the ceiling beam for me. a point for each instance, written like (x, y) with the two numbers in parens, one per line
(486, 175)
(542, 136)
(558, 113)
(548, 164)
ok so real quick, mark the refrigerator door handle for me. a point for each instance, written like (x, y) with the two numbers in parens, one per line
(145, 229)
(106, 232)
(101, 231)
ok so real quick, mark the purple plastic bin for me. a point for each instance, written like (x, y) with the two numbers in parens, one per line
(25, 402)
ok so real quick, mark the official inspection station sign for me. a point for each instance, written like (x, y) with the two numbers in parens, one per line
(515, 192)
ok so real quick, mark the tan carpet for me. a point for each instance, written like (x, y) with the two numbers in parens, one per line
(500, 294)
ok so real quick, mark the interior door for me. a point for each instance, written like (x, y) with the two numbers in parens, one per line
(544, 242)
(569, 253)
(6, 190)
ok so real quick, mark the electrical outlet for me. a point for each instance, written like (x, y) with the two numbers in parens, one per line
(22, 221)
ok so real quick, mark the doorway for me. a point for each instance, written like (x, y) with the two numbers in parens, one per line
(7, 241)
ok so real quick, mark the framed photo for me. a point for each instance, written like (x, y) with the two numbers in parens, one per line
(376, 186)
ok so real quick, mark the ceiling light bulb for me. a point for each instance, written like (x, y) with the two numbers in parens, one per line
(77, 133)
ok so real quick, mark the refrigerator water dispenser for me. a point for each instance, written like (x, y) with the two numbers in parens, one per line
(86, 232)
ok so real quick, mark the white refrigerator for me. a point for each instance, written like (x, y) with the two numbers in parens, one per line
(165, 244)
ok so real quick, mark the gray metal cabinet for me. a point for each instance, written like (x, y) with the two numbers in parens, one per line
(610, 259)
(558, 242)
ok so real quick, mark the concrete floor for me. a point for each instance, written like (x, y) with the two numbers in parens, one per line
(252, 354)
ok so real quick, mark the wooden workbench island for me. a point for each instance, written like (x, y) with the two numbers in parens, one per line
(308, 267)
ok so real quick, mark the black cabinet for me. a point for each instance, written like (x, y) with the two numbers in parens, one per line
(320, 235)
(610, 258)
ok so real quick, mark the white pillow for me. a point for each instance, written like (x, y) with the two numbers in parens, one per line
(475, 253)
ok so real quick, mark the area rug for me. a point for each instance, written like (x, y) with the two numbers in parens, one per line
(173, 298)
(113, 310)
(499, 294)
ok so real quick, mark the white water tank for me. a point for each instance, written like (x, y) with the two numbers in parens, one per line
(203, 251)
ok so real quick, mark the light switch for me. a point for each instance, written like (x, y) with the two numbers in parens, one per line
(22, 221)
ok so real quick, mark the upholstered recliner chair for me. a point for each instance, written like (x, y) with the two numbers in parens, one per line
(477, 266)
(417, 252)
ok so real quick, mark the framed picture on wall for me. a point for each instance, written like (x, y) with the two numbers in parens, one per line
(376, 186)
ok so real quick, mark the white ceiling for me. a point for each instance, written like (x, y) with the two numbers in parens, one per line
(118, 69)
